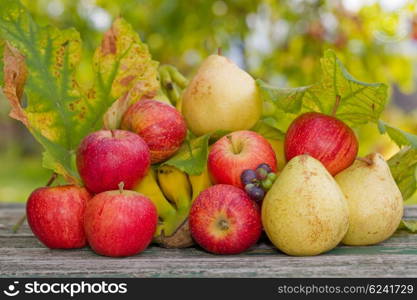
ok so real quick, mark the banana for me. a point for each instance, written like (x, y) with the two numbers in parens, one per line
(149, 187)
(167, 84)
(166, 212)
(177, 77)
(200, 182)
(172, 84)
(176, 187)
(160, 96)
(175, 94)
(172, 191)
(164, 76)
(178, 106)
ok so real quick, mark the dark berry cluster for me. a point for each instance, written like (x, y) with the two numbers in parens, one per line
(257, 182)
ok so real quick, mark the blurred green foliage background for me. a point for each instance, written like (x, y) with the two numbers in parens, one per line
(278, 41)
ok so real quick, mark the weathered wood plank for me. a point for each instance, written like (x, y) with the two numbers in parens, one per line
(44, 262)
(22, 255)
(400, 243)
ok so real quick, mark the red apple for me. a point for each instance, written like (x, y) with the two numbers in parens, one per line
(107, 157)
(323, 137)
(224, 220)
(120, 223)
(56, 215)
(236, 152)
(160, 125)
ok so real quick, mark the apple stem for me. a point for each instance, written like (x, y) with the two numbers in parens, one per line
(22, 219)
(220, 51)
(52, 179)
(365, 160)
(113, 134)
(235, 151)
(121, 187)
(336, 105)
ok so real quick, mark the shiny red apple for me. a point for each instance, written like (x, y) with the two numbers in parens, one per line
(323, 137)
(224, 220)
(56, 215)
(160, 125)
(120, 223)
(107, 157)
(236, 152)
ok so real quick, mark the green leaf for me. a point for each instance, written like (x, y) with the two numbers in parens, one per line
(289, 100)
(360, 102)
(403, 166)
(43, 60)
(400, 137)
(409, 225)
(280, 106)
(337, 93)
(191, 158)
(266, 128)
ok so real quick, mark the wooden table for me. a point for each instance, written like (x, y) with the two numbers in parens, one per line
(22, 255)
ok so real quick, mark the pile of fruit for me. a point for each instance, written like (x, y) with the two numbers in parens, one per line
(306, 210)
(151, 157)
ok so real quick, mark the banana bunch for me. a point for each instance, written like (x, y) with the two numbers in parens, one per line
(172, 191)
(172, 84)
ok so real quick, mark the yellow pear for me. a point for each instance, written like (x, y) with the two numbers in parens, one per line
(305, 212)
(221, 96)
(374, 200)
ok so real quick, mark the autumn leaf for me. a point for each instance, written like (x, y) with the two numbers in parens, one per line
(125, 71)
(41, 62)
(15, 80)
(1, 61)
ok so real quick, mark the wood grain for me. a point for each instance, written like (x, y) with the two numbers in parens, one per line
(22, 255)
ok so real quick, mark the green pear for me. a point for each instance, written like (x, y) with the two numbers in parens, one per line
(374, 200)
(305, 212)
(221, 96)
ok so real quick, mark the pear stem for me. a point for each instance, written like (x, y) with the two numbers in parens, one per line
(365, 160)
(22, 219)
(336, 105)
(219, 51)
